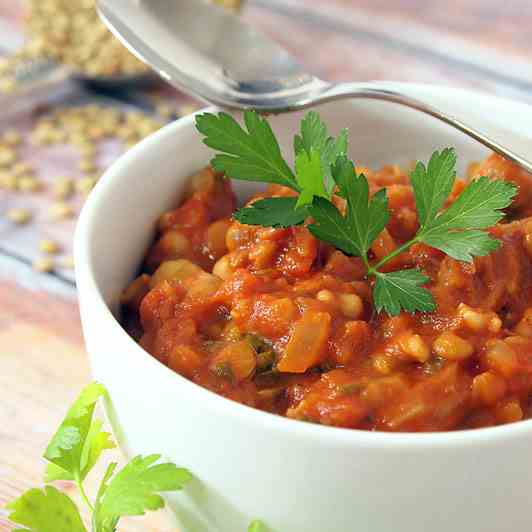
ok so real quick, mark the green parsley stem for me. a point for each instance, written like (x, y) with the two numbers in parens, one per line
(82, 492)
(372, 270)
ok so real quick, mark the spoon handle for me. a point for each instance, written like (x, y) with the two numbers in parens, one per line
(509, 144)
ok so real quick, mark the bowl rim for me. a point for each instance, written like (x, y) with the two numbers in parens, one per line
(328, 435)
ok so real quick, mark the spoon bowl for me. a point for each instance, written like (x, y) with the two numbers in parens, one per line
(213, 54)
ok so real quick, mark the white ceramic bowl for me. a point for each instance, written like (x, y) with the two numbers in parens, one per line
(297, 477)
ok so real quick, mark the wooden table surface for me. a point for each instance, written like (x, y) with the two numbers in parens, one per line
(480, 44)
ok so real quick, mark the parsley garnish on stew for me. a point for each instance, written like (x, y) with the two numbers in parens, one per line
(322, 169)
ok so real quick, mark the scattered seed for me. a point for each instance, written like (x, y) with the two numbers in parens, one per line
(22, 168)
(8, 181)
(85, 185)
(19, 216)
(63, 188)
(68, 262)
(96, 133)
(12, 137)
(43, 265)
(28, 183)
(87, 165)
(7, 85)
(46, 245)
(7, 156)
(87, 149)
(60, 211)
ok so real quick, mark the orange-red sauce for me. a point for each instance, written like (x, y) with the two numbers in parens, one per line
(279, 321)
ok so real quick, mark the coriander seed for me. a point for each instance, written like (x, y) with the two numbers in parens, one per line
(19, 216)
(43, 265)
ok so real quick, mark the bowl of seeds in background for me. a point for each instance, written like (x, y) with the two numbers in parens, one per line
(69, 32)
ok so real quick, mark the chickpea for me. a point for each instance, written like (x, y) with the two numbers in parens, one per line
(135, 292)
(524, 327)
(478, 321)
(201, 181)
(223, 268)
(173, 245)
(237, 235)
(174, 270)
(501, 358)
(185, 360)
(509, 412)
(205, 285)
(451, 347)
(414, 346)
(527, 238)
(216, 238)
(236, 361)
(326, 296)
(488, 388)
(263, 254)
(384, 364)
(351, 305)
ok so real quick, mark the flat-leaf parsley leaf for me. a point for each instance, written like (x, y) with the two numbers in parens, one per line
(135, 489)
(46, 510)
(73, 451)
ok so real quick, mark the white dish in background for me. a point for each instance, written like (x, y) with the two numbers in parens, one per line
(297, 477)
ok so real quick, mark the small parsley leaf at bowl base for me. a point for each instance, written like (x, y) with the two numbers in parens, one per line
(272, 212)
(97, 441)
(66, 447)
(402, 290)
(46, 510)
(73, 451)
(257, 526)
(135, 489)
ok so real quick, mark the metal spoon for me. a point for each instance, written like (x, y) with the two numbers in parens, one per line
(215, 55)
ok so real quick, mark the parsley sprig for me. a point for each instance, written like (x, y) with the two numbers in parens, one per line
(72, 453)
(322, 167)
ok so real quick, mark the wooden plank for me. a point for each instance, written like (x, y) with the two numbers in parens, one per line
(43, 366)
(359, 43)
(351, 55)
(489, 23)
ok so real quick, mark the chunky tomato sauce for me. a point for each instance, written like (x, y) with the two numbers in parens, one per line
(279, 321)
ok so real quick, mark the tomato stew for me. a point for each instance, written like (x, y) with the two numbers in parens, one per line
(279, 321)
